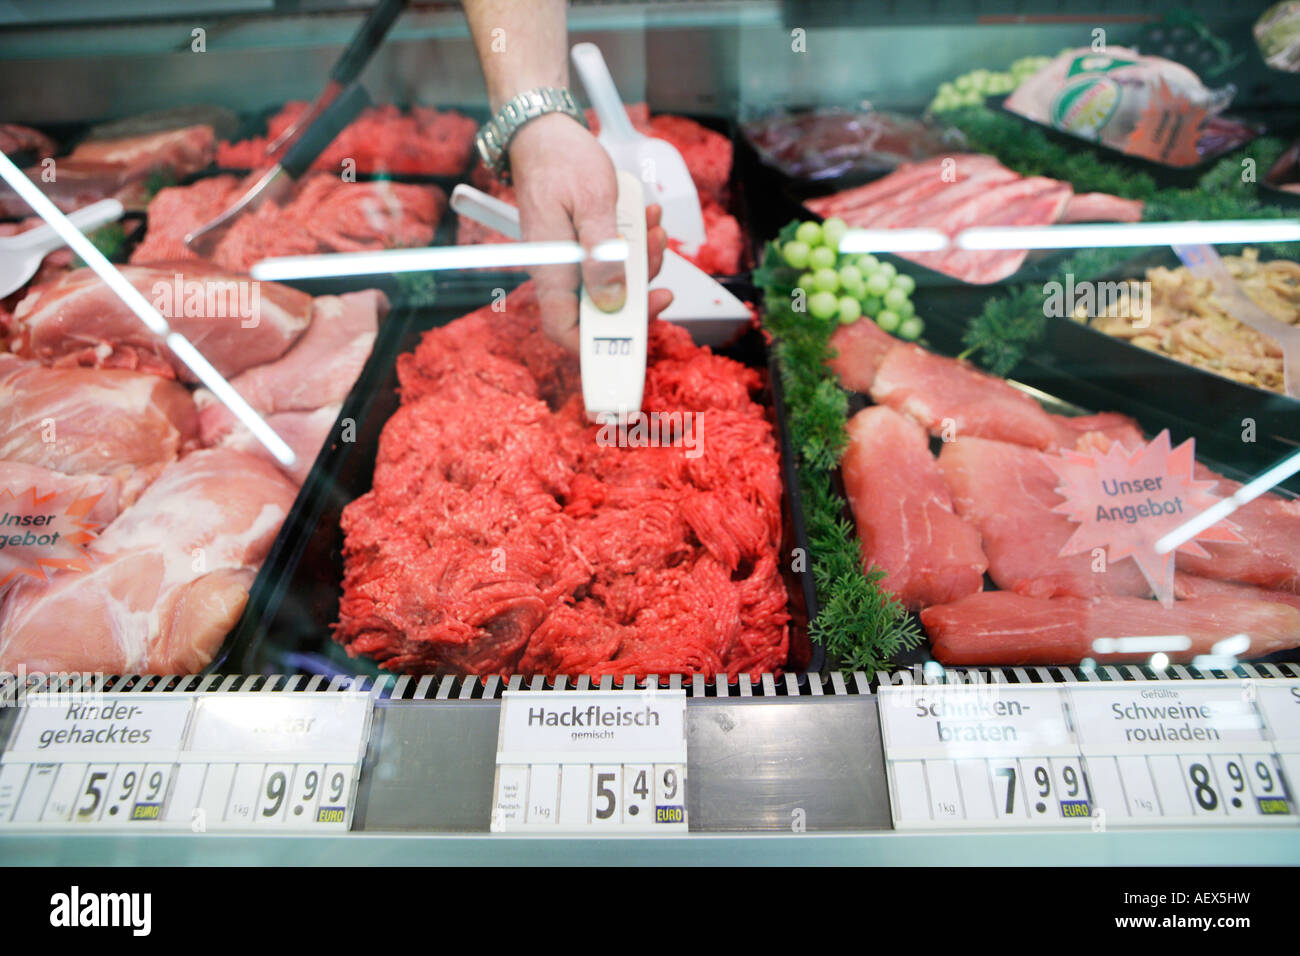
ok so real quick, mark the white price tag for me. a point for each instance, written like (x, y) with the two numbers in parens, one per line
(1279, 702)
(1167, 717)
(948, 721)
(195, 761)
(1092, 754)
(598, 761)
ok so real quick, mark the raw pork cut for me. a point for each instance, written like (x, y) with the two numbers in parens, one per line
(904, 512)
(1101, 207)
(947, 395)
(860, 348)
(1000, 628)
(117, 167)
(93, 421)
(503, 533)
(1008, 493)
(303, 431)
(16, 478)
(1270, 558)
(324, 215)
(319, 369)
(235, 323)
(953, 193)
(172, 575)
(178, 151)
(1195, 586)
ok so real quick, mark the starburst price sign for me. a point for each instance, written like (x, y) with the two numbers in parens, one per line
(40, 533)
(1125, 501)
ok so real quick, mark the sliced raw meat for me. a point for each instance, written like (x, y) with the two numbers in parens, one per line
(304, 432)
(172, 577)
(236, 323)
(178, 151)
(1008, 492)
(92, 421)
(1270, 558)
(950, 397)
(860, 348)
(904, 512)
(1102, 207)
(325, 214)
(320, 369)
(953, 193)
(999, 628)
(1112, 426)
(1195, 586)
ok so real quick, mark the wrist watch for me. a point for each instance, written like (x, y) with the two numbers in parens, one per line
(493, 139)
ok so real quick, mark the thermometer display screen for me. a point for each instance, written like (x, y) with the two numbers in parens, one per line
(612, 345)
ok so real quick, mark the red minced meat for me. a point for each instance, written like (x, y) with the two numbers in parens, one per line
(501, 537)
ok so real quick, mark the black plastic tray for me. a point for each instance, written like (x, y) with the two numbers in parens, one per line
(1180, 177)
(1053, 401)
(286, 625)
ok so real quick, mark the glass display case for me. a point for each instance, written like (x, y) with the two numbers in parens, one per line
(945, 511)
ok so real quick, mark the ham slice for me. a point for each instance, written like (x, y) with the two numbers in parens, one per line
(93, 421)
(1008, 492)
(860, 348)
(904, 513)
(235, 322)
(319, 369)
(172, 575)
(1000, 628)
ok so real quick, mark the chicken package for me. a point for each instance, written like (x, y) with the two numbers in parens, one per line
(1145, 106)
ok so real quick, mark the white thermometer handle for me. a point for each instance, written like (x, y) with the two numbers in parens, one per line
(612, 345)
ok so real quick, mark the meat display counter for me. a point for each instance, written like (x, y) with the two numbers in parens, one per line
(958, 523)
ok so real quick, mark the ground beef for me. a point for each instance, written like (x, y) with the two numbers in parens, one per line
(383, 139)
(501, 537)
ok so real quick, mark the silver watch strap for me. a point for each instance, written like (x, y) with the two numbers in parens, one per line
(493, 139)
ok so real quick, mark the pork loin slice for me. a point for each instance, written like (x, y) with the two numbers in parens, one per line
(1001, 628)
(859, 348)
(904, 512)
(1008, 492)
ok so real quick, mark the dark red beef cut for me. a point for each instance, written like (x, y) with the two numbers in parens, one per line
(501, 536)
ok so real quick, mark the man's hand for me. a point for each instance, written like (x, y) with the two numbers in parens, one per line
(566, 190)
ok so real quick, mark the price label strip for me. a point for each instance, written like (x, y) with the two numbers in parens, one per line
(199, 762)
(1092, 755)
(591, 762)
